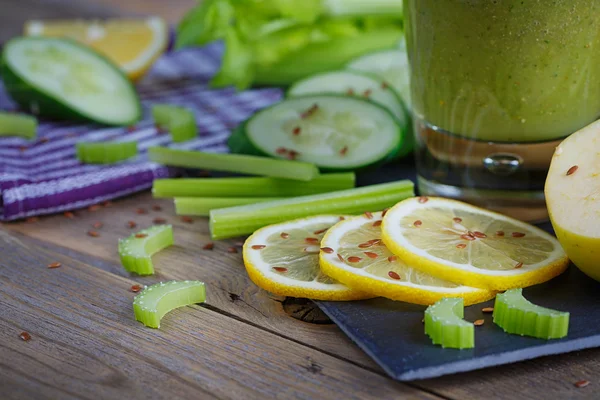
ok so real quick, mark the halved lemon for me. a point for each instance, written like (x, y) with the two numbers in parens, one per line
(353, 253)
(132, 44)
(472, 246)
(284, 259)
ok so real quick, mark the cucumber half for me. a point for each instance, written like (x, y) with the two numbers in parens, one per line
(59, 78)
(360, 84)
(391, 66)
(331, 131)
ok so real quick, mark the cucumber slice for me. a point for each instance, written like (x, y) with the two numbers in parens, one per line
(180, 121)
(155, 301)
(331, 131)
(136, 251)
(517, 315)
(21, 125)
(445, 325)
(354, 83)
(59, 78)
(105, 153)
(391, 66)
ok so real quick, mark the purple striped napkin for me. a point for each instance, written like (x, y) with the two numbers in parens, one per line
(44, 176)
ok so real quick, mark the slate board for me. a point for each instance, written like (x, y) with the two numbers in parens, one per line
(392, 333)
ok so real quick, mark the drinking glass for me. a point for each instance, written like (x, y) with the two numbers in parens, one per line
(496, 85)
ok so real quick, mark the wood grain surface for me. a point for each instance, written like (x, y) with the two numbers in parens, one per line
(242, 344)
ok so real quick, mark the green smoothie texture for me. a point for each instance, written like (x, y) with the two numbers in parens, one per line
(505, 70)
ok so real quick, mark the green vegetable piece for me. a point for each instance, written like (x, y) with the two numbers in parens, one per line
(237, 221)
(136, 251)
(445, 325)
(180, 121)
(106, 152)
(201, 207)
(151, 304)
(250, 165)
(517, 315)
(21, 125)
(251, 187)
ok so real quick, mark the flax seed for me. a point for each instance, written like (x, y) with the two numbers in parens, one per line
(394, 275)
(572, 170)
(258, 247)
(487, 310)
(327, 250)
(208, 246)
(54, 265)
(479, 322)
(354, 259)
(370, 254)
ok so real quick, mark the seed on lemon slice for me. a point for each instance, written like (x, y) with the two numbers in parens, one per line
(471, 246)
(284, 259)
(353, 253)
(132, 44)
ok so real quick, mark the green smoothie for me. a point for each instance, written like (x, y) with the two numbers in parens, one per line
(505, 70)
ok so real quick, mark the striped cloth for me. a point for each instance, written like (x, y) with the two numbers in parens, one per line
(44, 176)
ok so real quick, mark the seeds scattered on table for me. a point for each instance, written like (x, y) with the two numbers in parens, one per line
(187, 220)
(582, 384)
(54, 265)
(141, 235)
(69, 214)
(159, 221)
(141, 211)
(94, 208)
(479, 322)
(232, 250)
(131, 224)
(107, 203)
(98, 225)
(156, 207)
(487, 310)
(32, 219)
(209, 246)
(136, 288)
(93, 234)
(25, 336)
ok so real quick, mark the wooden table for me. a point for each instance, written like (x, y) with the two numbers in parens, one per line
(242, 344)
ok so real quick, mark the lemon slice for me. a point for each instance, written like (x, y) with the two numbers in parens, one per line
(132, 44)
(472, 246)
(284, 259)
(353, 253)
(572, 194)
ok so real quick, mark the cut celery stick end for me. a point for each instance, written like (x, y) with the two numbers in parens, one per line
(105, 153)
(202, 206)
(517, 315)
(251, 187)
(250, 165)
(21, 125)
(237, 221)
(180, 121)
(136, 252)
(445, 325)
(155, 301)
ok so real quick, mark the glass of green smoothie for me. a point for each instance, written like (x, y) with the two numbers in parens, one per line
(496, 85)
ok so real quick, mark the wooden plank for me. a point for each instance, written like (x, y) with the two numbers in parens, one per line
(86, 344)
(231, 290)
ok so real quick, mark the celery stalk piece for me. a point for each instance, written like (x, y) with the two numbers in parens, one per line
(251, 187)
(106, 152)
(517, 315)
(445, 325)
(136, 251)
(348, 8)
(250, 165)
(21, 125)
(237, 221)
(180, 121)
(155, 301)
(202, 206)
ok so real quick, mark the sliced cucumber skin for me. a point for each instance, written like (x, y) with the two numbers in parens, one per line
(33, 99)
(247, 145)
(407, 144)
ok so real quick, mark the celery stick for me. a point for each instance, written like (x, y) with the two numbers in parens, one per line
(180, 121)
(251, 187)
(445, 325)
(105, 152)
(202, 206)
(155, 301)
(237, 221)
(515, 314)
(250, 165)
(136, 251)
(346, 8)
(21, 125)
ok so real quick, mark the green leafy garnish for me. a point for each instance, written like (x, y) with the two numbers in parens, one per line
(445, 325)
(155, 301)
(515, 314)
(136, 251)
(105, 152)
